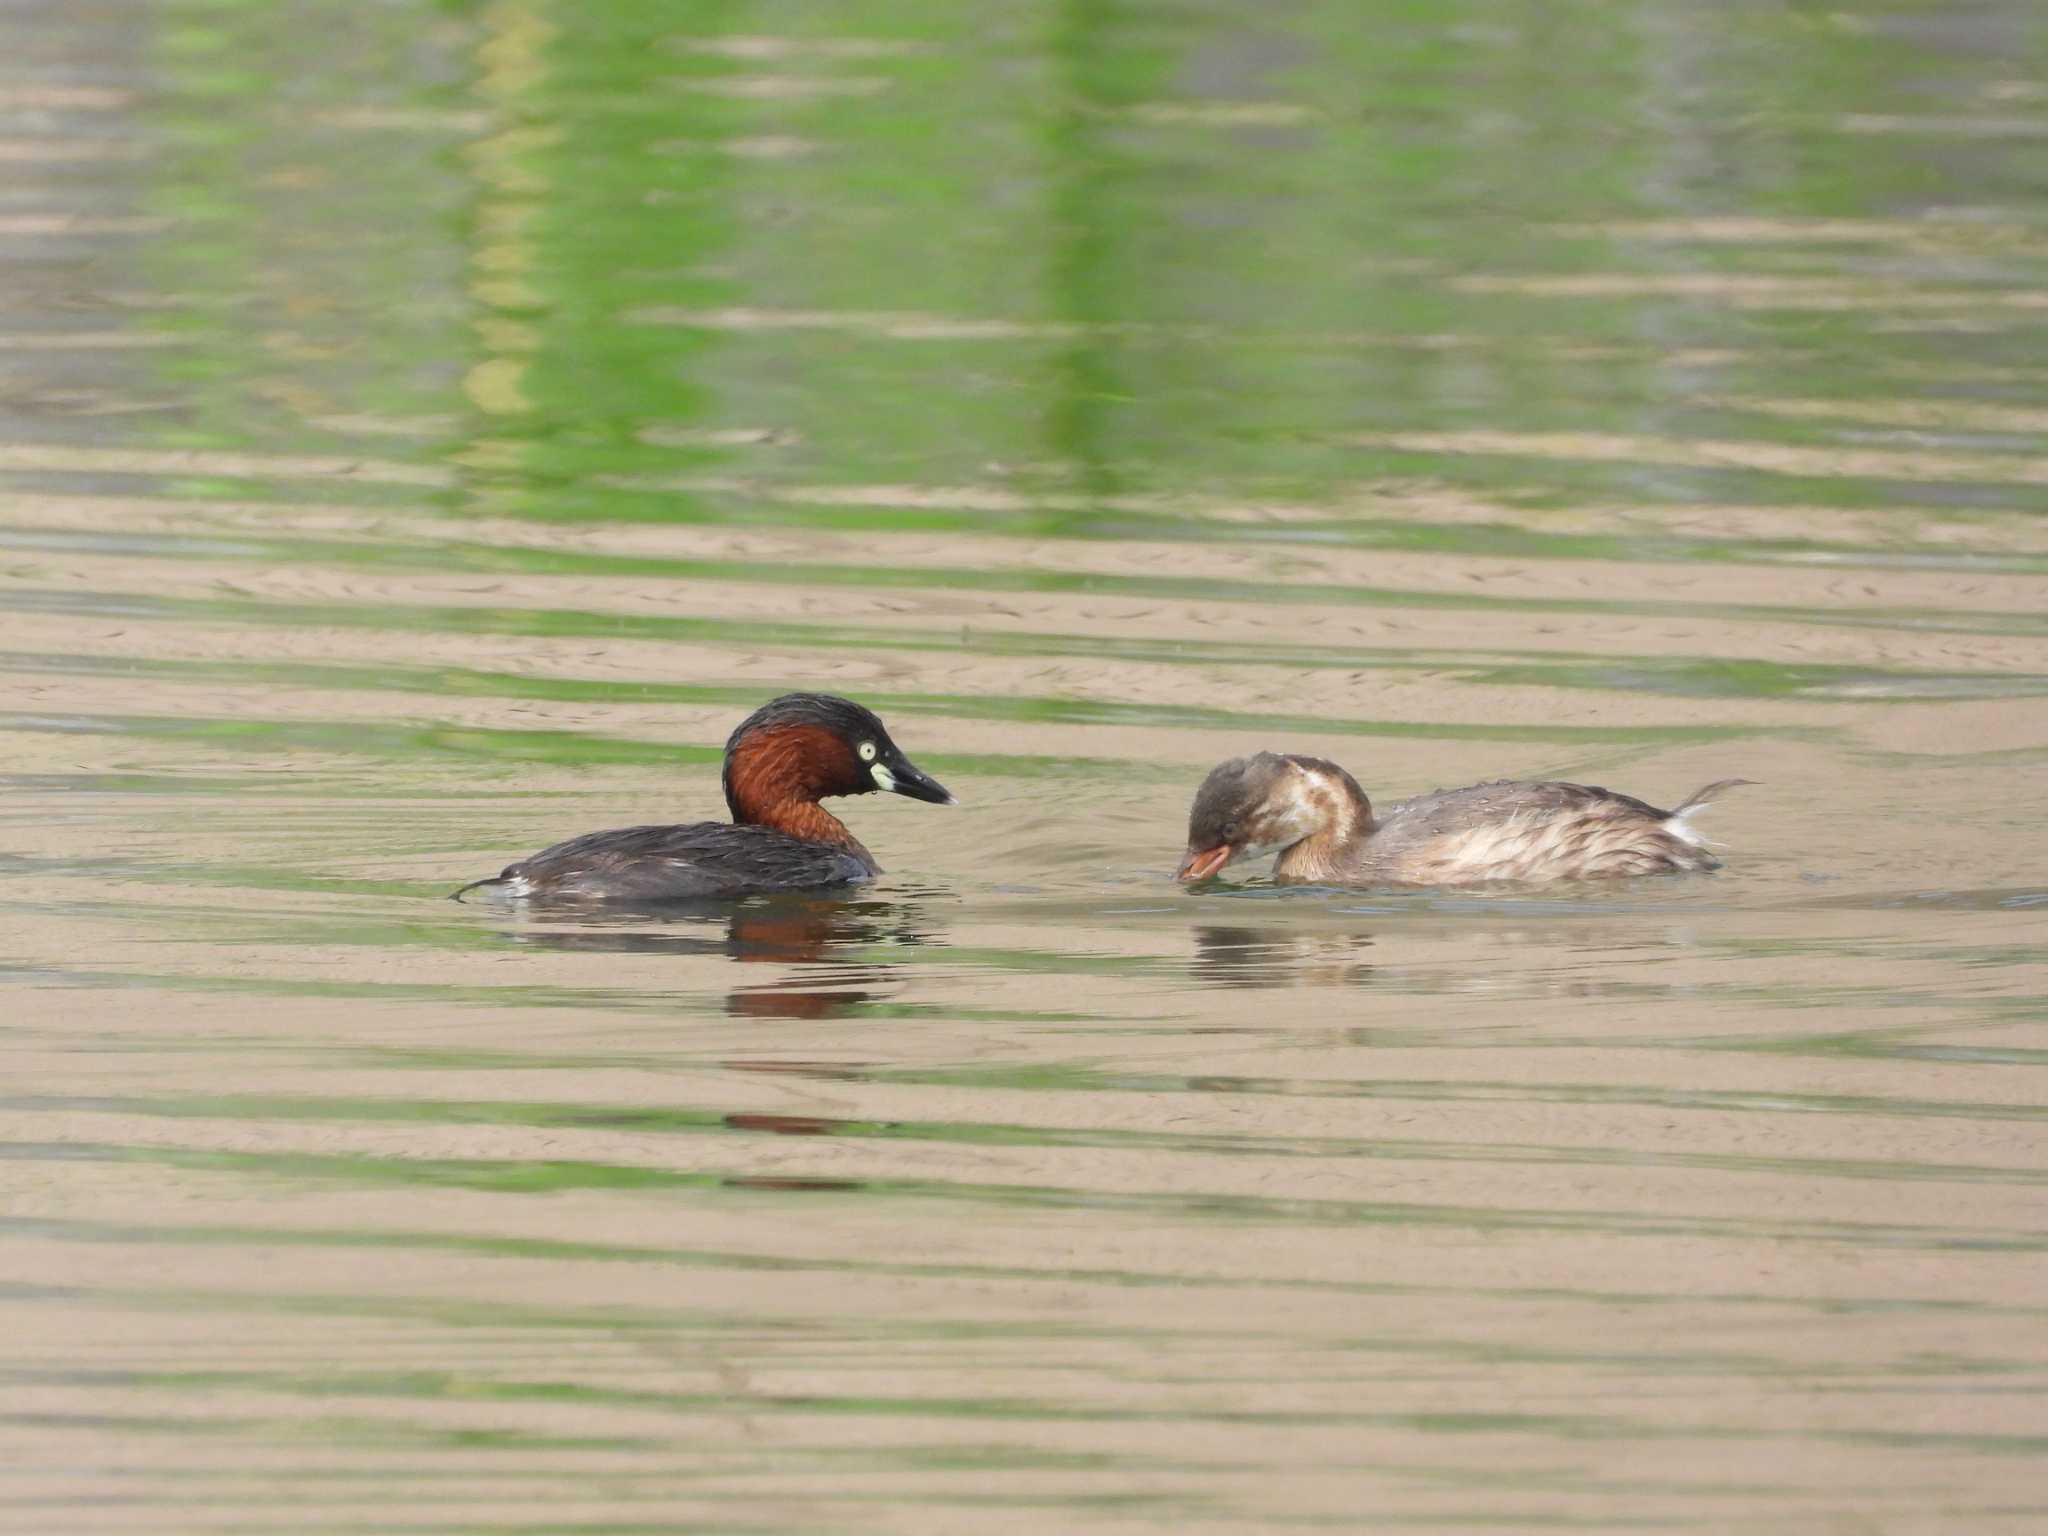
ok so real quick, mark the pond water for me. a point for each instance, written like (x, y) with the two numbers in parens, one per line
(425, 429)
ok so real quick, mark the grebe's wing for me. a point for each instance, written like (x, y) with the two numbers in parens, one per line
(1458, 810)
(1538, 829)
(692, 861)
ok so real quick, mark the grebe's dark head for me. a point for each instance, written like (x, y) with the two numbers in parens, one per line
(809, 746)
(1259, 804)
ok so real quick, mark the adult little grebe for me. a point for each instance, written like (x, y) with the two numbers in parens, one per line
(780, 762)
(1315, 813)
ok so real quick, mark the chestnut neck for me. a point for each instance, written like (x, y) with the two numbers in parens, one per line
(805, 819)
(775, 779)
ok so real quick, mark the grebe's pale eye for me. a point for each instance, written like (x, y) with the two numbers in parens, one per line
(867, 751)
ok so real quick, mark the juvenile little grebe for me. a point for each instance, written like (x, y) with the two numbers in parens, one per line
(780, 762)
(1317, 816)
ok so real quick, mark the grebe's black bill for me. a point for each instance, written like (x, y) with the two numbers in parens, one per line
(900, 776)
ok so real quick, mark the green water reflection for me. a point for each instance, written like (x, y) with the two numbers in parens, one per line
(1087, 252)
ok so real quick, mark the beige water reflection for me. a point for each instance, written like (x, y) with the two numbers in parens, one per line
(423, 446)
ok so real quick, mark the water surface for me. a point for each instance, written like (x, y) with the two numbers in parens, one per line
(426, 429)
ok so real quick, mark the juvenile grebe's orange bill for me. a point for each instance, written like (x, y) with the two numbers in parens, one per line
(1201, 863)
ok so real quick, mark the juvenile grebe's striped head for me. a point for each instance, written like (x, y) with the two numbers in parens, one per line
(1261, 804)
(810, 746)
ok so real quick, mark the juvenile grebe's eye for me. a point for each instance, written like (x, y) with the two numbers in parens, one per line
(867, 751)
(1230, 831)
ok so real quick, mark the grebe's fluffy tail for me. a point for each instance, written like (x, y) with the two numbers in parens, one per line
(1679, 822)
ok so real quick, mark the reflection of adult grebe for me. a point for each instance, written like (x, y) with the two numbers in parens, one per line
(807, 932)
(1320, 820)
(836, 937)
(782, 760)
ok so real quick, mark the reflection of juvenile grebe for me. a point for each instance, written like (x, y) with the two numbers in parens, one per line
(781, 761)
(1280, 957)
(1320, 820)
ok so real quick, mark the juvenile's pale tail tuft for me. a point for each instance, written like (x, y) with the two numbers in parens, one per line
(1679, 823)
